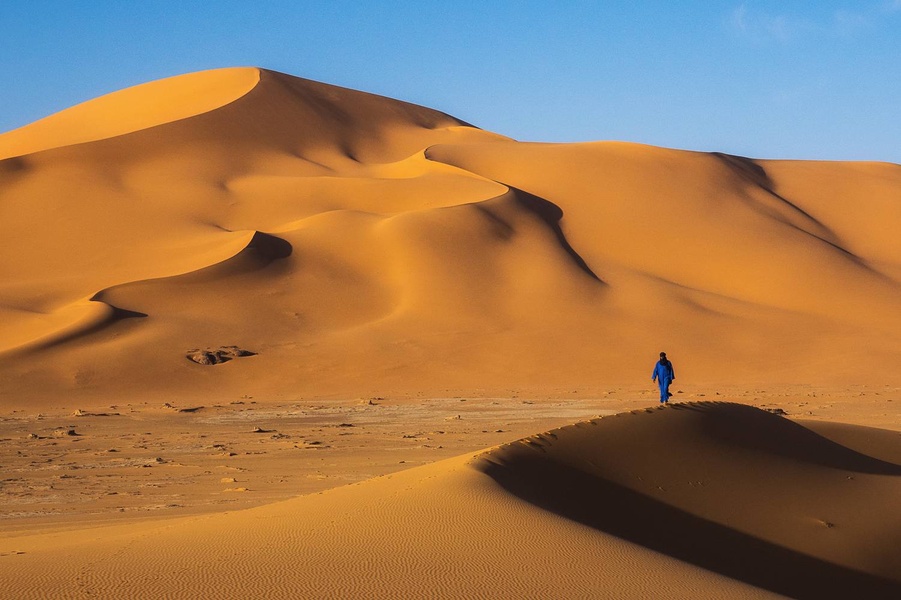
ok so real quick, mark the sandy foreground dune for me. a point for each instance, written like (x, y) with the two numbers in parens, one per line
(692, 500)
(245, 279)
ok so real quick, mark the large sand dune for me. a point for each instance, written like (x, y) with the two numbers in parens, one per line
(325, 249)
(689, 501)
(360, 244)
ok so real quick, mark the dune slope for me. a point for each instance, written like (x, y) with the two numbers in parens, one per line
(416, 253)
(726, 487)
(686, 501)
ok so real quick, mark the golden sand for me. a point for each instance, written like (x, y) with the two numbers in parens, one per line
(236, 287)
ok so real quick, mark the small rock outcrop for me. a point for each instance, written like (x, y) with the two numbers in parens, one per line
(217, 356)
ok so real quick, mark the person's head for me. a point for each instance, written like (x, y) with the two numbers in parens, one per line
(663, 356)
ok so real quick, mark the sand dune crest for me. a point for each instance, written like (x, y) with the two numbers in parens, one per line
(242, 236)
(727, 487)
(659, 502)
(426, 253)
(131, 109)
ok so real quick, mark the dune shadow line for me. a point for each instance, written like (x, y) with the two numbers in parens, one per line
(761, 431)
(616, 510)
(270, 247)
(551, 214)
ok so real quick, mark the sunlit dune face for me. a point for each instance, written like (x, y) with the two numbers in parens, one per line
(224, 296)
(420, 252)
(131, 109)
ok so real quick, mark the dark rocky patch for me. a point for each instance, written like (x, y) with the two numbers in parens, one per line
(218, 356)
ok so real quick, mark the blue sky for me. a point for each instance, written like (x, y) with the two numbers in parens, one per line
(768, 79)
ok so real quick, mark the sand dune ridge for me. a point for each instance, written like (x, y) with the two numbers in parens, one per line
(428, 250)
(788, 487)
(657, 502)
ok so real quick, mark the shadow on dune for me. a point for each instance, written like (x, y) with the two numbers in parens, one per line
(269, 247)
(540, 472)
(262, 250)
(551, 214)
(624, 513)
(784, 210)
(122, 313)
(760, 431)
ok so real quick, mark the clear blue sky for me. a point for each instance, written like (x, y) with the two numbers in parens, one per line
(762, 78)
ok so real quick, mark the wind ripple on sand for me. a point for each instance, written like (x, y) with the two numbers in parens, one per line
(572, 513)
(727, 487)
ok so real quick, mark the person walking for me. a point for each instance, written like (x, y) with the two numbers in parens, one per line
(664, 375)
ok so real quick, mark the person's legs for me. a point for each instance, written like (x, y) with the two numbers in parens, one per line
(664, 390)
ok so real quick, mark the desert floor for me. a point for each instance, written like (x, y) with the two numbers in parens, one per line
(151, 461)
(266, 337)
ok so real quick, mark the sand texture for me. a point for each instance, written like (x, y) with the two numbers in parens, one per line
(669, 502)
(266, 337)
(361, 245)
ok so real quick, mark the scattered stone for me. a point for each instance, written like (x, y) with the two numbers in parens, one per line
(33, 436)
(776, 411)
(188, 410)
(81, 413)
(236, 352)
(259, 430)
(205, 357)
(345, 425)
(63, 432)
(227, 480)
(237, 489)
(218, 356)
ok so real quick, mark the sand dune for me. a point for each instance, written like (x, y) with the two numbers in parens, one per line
(419, 252)
(687, 501)
(131, 109)
(339, 246)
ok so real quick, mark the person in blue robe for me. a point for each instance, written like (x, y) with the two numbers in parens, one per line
(664, 375)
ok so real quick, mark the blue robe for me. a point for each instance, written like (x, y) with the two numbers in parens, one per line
(663, 374)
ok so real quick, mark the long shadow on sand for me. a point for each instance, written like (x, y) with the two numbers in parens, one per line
(617, 510)
(637, 518)
(748, 427)
(552, 214)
